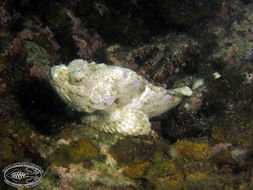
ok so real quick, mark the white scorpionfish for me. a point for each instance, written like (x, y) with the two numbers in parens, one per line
(117, 99)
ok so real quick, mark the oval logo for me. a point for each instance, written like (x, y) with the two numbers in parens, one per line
(23, 174)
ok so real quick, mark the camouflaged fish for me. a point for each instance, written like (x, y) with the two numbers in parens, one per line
(117, 99)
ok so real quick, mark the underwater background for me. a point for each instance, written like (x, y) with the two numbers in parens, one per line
(206, 142)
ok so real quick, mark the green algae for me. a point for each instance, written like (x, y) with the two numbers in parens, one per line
(35, 53)
(163, 168)
(77, 151)
(7, 145)
(42, 40)
(193, 150)
(97, 137)
(198, 181)
(223, 157)
(137, 170)
(19, 140)
(130, 150)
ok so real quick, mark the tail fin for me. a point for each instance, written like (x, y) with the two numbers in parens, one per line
(208, 79)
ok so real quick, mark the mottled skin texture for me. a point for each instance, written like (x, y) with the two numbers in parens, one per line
(118, 99)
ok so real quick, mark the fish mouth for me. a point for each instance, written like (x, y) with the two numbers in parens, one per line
(57, 71)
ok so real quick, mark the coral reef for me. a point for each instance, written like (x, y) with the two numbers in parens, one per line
(203, 143)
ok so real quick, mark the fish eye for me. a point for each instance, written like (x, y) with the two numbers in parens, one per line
(77, 78)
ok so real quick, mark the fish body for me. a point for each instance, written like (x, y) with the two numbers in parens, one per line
(117, 99)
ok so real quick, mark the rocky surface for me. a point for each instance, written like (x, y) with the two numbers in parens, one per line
(203, 143)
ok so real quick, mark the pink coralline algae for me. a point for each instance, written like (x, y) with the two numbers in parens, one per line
(37, 70)
(88, 43)
(14, 49)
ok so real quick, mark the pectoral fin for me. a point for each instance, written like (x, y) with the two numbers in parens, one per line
(124, 121)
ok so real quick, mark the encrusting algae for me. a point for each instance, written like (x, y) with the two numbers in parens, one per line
(77, 151)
